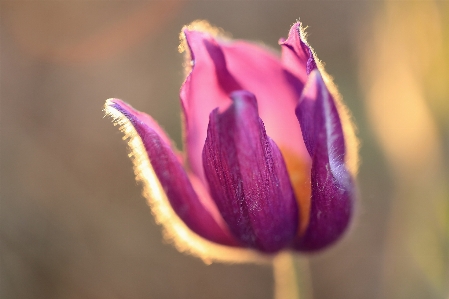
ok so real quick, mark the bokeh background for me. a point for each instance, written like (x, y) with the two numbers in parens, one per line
(72, 221)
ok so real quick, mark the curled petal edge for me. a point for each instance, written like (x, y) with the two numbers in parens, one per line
(175, 230)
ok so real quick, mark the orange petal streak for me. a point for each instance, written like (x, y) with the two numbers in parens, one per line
(299, 171)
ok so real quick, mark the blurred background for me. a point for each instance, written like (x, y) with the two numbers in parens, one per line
(72, 221)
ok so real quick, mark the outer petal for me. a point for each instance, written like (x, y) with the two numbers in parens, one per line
(248, 178)
(220, 67)
(172, 176)
(145, 119)
(332, 185)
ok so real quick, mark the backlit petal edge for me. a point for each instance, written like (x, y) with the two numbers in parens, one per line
(175, 230)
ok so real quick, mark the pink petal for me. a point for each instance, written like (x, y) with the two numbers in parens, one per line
(220, 67)
(297, 56)
(333, 189)
(247, 177)
(173, 178)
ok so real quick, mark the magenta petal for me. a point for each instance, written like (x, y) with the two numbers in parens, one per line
(145, 119)
(172, 177)
(297, 56)
(247, 177)
(332, 185)
(225, 79)
(260, 72)
(220, 67)
(200, 94)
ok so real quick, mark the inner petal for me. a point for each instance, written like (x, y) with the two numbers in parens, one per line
(248, 178)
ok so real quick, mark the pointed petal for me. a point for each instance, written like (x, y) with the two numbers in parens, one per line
(299, 59)
(332, 186)
(297, 56)
(129, 112)
(247, 177)
(221, 67)
(172, 176)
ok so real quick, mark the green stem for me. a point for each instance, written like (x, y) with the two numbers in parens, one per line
(291, 277)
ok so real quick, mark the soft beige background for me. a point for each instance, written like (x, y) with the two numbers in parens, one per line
(72, 221)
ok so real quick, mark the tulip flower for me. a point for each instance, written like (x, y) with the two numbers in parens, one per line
(270, 152)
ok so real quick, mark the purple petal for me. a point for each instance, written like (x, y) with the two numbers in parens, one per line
(173, 178)
(247, 177)
(332, 185)
(221, 67)
(144, 118)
